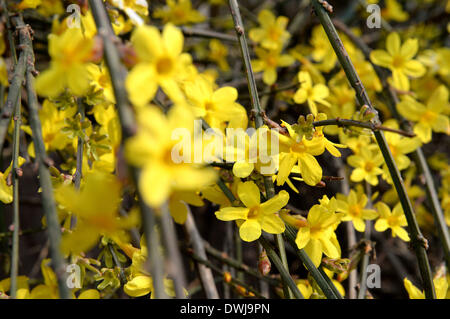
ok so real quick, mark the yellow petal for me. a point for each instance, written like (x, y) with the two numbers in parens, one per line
(250, 230)
(272, 224)
(381, 58)
(249, 194)
(276, 203)
(232, 213)
(310, 169)
(393, 43)
(173, 40)
(139, 286)
(303, 237)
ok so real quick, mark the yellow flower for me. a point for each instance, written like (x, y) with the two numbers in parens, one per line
(268, 61)
(366, 166)
(179, 12)
(52, 122)
(6, 191)
(440, 285)
(140, 283)
(153, 147)
(394, 220)
(70, 53)
(318, 237)
(96, 207)
(161, 63)
(311, 93)
(399, 59)
(272, 34)
(218, 53)
(216, 107)
(49, 289)
(301, 152)
(353, 206)
(431, 117)
(178, 204)
(394, 11)
(256, 215)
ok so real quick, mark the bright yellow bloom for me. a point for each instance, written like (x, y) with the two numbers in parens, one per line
(318, 237)
(218, 53)
(216, 107)
(96, 207)
(161, 63)
(272, 34)
(311, 93)
(399, 59)
(367, 166)
(140, 283)
(6, 191)
(153, 148)
(255, 215)
(179, 12)
(294, 151)
(431, 117)
(440, 286)
(353, 206)
(268, 62)
(70, 53)
(394, 11)
(394, 220)
(53, 120)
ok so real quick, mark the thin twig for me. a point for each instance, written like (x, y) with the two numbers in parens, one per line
(126, 117)
(209, 265)
(175, 267)
(48, 202)
(368, 125)
(417, 239)
(206, 276)
(270, 190)
(418, 156)
(367, 252)
(224, 258)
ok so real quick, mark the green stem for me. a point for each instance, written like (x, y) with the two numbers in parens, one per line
(366, 256)
(175, 266)
(418, 156)
(367, 125)
(117, 75)
(234, 281)
(15, 177)
(259, 116)
(196, 241)
(80, 146)
(224, 258)
(328, 288)
(417, 239)
(48, 202)
(284, 273)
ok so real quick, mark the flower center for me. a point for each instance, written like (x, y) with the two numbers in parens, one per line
(369, 166)
(274, 34)
(164, 66)
(398, 62)
(429, 117)
(253, 212)
(355, 210)
(298, 148)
